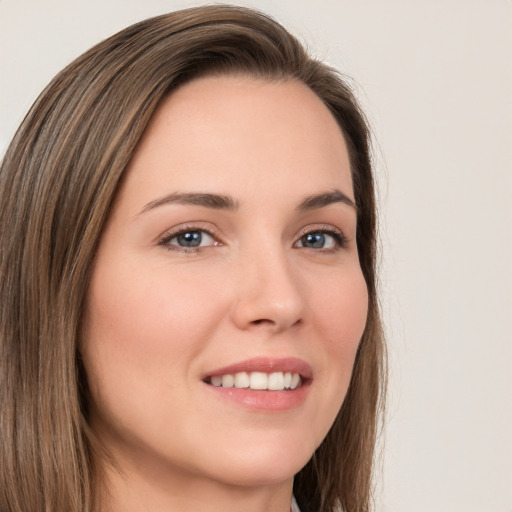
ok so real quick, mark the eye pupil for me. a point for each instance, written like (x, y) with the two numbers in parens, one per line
(190, 239)
(314, 240)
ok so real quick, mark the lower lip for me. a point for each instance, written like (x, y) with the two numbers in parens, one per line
(263, 400)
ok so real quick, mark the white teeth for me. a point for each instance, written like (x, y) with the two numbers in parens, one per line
(217, 380)
(276, 381)
(295, 381)
(228, 381)
(241, 380)
(258, 380)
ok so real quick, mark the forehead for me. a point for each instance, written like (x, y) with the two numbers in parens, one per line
(231, 131)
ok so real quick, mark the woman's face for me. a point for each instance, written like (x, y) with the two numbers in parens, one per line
(229, 260)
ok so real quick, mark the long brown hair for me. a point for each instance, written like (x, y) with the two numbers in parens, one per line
(57, 182)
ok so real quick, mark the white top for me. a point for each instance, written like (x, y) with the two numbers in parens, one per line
(294, 507)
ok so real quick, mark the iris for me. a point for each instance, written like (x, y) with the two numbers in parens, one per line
(314, 240)
(190, 239)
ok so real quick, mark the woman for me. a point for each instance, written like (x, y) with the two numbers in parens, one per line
(188, 299)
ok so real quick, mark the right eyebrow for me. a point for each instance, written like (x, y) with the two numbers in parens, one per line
(215, 201)
(318, 201)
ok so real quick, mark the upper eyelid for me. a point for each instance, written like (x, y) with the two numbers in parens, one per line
(328, 228)
(319, 227)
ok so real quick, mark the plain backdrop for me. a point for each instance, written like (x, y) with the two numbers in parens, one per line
(436, 79)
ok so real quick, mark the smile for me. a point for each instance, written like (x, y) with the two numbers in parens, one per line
(263, 383)
(275, 381)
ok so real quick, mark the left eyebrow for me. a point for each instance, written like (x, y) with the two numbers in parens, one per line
(215, 201)
(321, 200)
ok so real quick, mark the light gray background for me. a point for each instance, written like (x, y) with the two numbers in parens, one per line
(436, 79)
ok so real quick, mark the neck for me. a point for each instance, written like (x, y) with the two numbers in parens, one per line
(136, 491)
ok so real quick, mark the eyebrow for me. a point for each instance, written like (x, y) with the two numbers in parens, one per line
(223, 202)
(316, 201)
(215, 201)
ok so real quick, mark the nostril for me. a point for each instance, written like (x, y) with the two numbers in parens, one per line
(261, 321)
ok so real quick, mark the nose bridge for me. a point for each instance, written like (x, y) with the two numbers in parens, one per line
(268, 293)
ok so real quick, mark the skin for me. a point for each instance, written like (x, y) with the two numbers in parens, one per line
(161, 316)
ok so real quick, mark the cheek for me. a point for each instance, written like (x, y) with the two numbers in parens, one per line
(143, 332)
(150, 304)
(340, 309)
(145, 323)
(343, 313)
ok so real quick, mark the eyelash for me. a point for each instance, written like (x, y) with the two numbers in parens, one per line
(165, 241)
(340, 240)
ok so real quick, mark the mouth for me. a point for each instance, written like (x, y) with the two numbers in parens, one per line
(257, 381)
(263, 382)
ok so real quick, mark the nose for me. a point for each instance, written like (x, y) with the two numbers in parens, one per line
(268, 293)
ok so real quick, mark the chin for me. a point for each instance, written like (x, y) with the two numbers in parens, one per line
(251, 474)
(262, 463)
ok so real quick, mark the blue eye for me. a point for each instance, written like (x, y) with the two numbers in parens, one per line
(322, 240)
(188, 239)
(314, 240)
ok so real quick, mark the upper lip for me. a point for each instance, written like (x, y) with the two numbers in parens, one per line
(266, 365)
